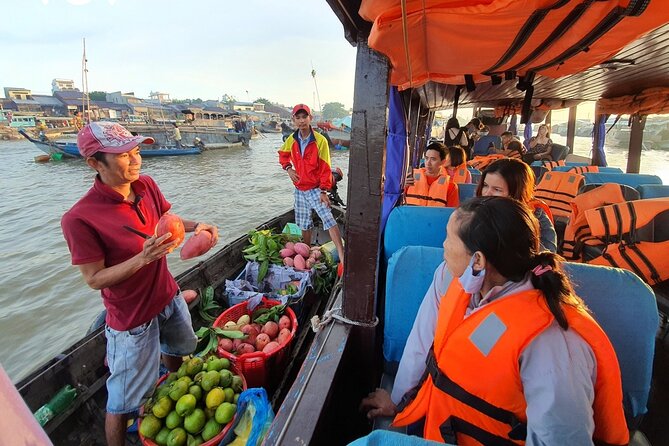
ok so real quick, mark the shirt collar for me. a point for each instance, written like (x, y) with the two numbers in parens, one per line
(101, 188)
(477, 300)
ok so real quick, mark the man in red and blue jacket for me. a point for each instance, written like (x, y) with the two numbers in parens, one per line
(305, 156)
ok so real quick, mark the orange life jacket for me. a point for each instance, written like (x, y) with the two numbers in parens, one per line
(459, 174)
(583, 169)
(628, 235)
(549, 165)
(480, 162)
(539, 204)
(558, 190)
(460, 368)
(441, 193)
(577, 232)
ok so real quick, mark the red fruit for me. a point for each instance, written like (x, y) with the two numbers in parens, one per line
(286, 252)
(196, 245)
(299, 262)
(261, 341)
(284, 322)
(284, 336)
(302, 249)
(287, 261)
(272, 346)
(245, 348)
(225, 344)
(271, 328)
(236, 343)
(171, 223)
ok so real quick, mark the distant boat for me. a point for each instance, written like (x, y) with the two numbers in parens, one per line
(270, 127)
(70, 149)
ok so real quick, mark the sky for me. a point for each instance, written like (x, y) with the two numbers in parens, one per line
(188, 49)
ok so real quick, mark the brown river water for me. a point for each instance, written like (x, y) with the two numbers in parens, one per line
(45, 306)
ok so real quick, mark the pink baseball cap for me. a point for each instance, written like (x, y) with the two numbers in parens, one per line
(108, 137)
(300, 107)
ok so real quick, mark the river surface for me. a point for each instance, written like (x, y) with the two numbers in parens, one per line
(45, 306)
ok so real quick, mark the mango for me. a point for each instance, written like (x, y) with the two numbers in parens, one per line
(186, 405)
(178, 389)
(194, 422)
(194, 440)
(210, 380)
(225, 412)
(211, 429)
(177, 437)
(162, 407)
(215, 397)
(150, 426)
(197, 245)
(161, 437)
(299, 263)
(237, 384)
(171, 223)
(173, 420)
(194, 366)
(226, 378)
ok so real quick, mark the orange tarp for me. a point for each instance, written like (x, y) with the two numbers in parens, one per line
(650, 101)
(448, 39)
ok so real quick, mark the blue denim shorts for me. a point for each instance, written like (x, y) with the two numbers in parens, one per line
(305, 201)
(134, 355)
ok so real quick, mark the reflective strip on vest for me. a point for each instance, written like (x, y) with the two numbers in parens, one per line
(486, 335)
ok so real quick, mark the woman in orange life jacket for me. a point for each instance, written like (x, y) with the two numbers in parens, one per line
(455, 165)
(513, 178)
(515, 357)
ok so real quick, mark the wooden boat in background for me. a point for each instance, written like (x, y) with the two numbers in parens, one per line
(70, 149)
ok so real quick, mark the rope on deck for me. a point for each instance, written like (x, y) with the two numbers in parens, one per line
(335, 315)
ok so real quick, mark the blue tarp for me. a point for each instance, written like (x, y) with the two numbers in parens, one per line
(598, 138)
(527, 134)
(396, 143)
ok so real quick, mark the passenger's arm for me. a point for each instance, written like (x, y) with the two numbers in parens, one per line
(558, 371)
(547, 233)
(97, 276)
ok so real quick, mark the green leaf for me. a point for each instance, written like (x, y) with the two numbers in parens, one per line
(202, 332)
(262, 271)
(231, 334)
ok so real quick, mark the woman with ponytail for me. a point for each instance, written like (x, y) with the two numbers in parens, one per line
(508, 354)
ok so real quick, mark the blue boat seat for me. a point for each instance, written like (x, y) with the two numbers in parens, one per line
(620, 302)
(390, 438)
(625, 308)
(652, 190)
(476, 174)
(415, 225)
(467, 191)
(630, 179)
(409, 274)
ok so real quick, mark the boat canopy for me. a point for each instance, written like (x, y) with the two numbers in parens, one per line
(649, 101)
(435, 40)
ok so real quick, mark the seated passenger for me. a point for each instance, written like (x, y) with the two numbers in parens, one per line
(541, 146)
(486, 144)
(513, 149)
(513, 178)
(512, 353)
(455, 165)
(429, 186)
(454, 135)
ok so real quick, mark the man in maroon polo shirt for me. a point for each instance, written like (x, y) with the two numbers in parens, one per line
(146, 315)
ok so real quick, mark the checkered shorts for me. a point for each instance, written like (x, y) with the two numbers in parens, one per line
(307, 200)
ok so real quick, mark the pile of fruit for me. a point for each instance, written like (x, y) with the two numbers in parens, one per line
(266, 330)
(300, 256)
(264, 248)
(193, 405)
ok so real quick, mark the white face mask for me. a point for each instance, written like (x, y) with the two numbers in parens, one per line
(472, 281)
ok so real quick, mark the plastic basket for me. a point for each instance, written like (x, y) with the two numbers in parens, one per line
(212, 442)
(260, 369)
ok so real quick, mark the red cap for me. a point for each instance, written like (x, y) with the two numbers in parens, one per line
(108, 137)
(299, 107)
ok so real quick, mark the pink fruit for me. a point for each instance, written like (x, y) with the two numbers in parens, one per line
(316, 254)
(289, 245)
(284, 336)
(286, 252)
(302, 249)
(287, 261)
(225, 344)
(171, 223)
(310, 263)
(245, 348)
(299, 262)
(271, 329)
(284, 322)
(196, 245)
(236, 343)
(261, 341)
(272, 346)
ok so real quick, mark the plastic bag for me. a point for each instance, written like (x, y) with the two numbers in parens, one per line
(276, 279)
(253, 419)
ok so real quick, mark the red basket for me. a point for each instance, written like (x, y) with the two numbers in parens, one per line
(260, 369)
(214, 441)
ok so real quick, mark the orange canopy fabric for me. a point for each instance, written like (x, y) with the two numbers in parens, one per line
(649, 101)
(446, 40)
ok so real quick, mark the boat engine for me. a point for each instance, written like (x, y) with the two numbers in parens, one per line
(337, 176)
